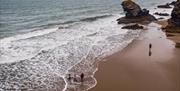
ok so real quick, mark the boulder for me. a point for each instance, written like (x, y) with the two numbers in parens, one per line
(134, 14)
(134, 27)
(142, 20)
(164, 6)
(161, 14)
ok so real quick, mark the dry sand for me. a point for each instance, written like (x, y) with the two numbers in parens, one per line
(134, 70)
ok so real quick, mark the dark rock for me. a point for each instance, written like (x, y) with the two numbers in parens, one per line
(161, 14)
(131, 8)
(142, 20)
(134, 27)
(160, 18)
(174, 21)
(164, 6)
(134, 14)
(172, 3)
(144, 12)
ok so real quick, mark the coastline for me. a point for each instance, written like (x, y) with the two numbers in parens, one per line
(56, 58)
(133, 70)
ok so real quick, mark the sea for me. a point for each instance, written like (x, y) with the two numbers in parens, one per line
(43, 42)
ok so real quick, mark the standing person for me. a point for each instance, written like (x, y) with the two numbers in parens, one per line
(69, 78)
(150, 46)
(150, 53)
(82, 77)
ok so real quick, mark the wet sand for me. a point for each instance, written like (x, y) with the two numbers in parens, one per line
(133, 69)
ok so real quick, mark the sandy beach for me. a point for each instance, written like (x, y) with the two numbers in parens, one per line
(134, 70)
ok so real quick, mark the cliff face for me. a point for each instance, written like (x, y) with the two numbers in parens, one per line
(175, 15)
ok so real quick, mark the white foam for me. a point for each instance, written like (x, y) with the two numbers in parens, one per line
(161, 10)
(27, 35)
(25, 46)
(54, 52)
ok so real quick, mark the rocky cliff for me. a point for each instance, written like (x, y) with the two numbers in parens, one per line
(174, 21)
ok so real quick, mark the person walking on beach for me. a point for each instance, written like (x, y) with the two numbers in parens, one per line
(69, 77)
(82, 77)
(150, 46)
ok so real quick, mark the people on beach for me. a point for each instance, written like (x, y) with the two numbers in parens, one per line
(69, 77)
(76, 78)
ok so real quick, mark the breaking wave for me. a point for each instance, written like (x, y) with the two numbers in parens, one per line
(41, 60)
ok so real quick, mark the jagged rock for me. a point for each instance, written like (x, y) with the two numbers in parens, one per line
(172, 3)
(174, 21)
(164, 6)
(161, 14)
(142, 20)
(131, 8)
(134, 14)
(134, 27)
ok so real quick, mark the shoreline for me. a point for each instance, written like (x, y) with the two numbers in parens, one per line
(137, 71)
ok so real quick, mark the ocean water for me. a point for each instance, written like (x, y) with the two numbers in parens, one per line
(22, 16)
(41, 41)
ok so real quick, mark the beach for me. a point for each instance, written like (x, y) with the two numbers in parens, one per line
(132, 69)
(95, 45)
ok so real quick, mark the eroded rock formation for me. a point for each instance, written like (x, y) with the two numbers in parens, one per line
(133, 27)
(134, 14)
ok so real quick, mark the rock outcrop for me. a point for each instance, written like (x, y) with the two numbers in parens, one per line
(134, 14)
(174, 21)
(164, 6)
(161, 14)
(133, 27)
